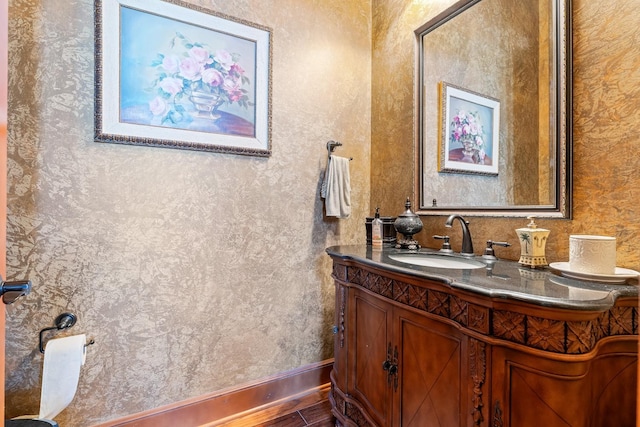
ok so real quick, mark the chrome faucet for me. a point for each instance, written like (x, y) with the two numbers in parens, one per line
(467, 243)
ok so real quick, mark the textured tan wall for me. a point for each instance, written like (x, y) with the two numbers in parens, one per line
(606, 109)
(192, 271)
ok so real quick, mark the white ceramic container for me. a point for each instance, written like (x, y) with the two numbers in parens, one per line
(592, 254)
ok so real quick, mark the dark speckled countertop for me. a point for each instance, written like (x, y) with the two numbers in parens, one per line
(501, 279)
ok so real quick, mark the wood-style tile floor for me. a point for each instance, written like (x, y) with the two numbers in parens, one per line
(311, 410)
(318, 415)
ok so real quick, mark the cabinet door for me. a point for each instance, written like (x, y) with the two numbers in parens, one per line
(369, 341)
(432, 374)
(531, 390)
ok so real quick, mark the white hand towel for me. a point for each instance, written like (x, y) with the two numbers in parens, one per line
(336, 188)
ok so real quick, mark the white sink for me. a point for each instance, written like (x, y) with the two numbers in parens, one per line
(438, 261)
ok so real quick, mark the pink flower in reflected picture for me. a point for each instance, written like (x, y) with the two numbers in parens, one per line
(466, 129)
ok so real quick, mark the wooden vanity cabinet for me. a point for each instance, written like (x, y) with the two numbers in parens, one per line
(406, 369)
(416, 352)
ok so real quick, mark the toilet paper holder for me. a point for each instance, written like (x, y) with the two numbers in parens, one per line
(63, 321)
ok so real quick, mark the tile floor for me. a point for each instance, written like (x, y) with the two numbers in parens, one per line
(317, 415)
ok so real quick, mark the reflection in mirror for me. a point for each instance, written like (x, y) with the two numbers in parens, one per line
(494, 110)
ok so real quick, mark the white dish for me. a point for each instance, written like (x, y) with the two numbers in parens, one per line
(621, 275)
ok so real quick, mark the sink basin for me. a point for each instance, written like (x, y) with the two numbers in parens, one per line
(438, 261)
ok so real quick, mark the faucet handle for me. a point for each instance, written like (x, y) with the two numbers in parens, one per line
(446, 246)
(489, 252)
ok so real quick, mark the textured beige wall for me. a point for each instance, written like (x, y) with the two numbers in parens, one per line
(606, 112)
(192, 271)
(197, 271)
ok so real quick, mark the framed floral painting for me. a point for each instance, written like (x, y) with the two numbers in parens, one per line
(469, 131)
(171, 74)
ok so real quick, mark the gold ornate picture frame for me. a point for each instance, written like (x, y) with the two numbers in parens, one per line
(469, 131)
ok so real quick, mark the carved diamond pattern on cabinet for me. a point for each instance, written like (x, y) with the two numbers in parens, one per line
(581, 337)
(601, 327)
(478, 318)
(621, 320)
(371, 282)
(401, 292)
(340, 272)
(379, 284)
(509, 325)
(545, 334)
(438, 303)
(458, 310)
(354, 275)
(418, 298)
(410, 295)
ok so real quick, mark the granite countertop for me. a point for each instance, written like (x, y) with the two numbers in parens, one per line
(501, 279)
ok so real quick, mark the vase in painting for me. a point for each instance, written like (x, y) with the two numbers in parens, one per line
(468, 152)
(206, 104)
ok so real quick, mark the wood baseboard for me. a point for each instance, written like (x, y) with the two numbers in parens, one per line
(269, 412)
(283, 391)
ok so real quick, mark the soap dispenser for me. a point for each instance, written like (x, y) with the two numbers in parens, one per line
(533, 241)
(376, 231)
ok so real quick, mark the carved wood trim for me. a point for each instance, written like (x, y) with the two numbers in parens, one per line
(546, 334)
(478, 318)
(355, 415)
(339, 403)
(438, 303)
(581, 336)
(558, 336)
(509, 326)
(478, 369)
(339, 272)
(343, 304)
(622, 320)
(458, 310)
(346, 410)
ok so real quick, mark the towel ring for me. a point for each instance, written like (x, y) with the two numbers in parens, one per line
(331, 145)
